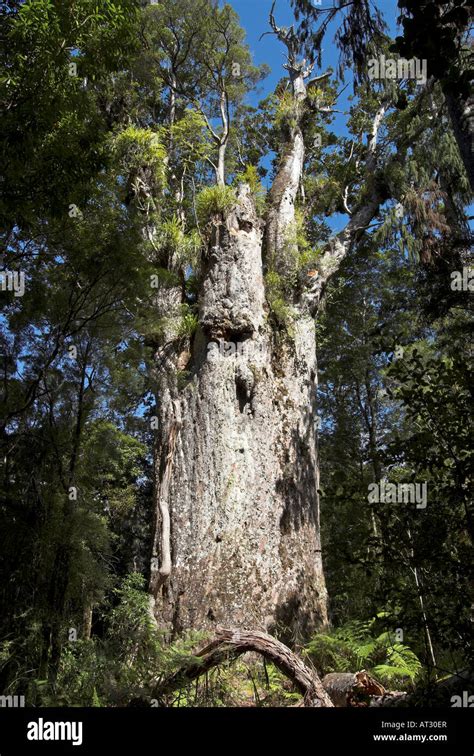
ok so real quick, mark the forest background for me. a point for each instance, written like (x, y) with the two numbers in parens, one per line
(111, 179)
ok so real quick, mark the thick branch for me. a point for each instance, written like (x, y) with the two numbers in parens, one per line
(229, 644)
(360, 218)
(340, 245)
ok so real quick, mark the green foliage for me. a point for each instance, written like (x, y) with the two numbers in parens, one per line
(54, 135)
(401, 665)
(140, 147)
(434, 388)
(355, 646)
(179, 326)
(190, 139)
(285, 118)
(113, 460)
(141, 156)
(437, 34)
(179, 250)
(405, 417)
(288, 270)
(111, 671)
(251, 177)
(359, 32)
(130, 622)
(243, 682)
(214, 200)
(280, 310)
(188, 323)
(432, 383)
(83, 668)
(295, 248)
(126, 662)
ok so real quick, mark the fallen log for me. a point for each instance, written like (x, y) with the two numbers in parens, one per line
(345, 689)
(358, 689)
(229, 644)
(391, 698)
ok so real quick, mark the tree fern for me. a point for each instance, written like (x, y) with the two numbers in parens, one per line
(355, 646)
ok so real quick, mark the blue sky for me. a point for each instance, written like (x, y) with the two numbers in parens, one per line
(254, 16)
(254, 19)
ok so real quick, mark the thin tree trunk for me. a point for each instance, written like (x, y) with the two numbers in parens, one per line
(87, 622)
(220, 174)
(419, 590)
(61, 569)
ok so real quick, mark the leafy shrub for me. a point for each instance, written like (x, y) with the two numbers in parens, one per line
(83, 670)
(188, 323)
(177, 249)
(285, 119)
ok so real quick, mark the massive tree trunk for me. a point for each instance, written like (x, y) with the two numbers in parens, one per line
(237, 536)
(237, 449)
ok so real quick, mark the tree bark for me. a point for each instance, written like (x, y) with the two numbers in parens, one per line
(241, 488)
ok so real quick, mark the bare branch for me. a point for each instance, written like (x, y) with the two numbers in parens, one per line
(344, 199)
(317, 79)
